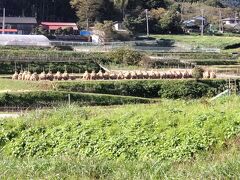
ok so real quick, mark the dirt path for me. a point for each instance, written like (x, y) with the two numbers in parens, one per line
(9, 116)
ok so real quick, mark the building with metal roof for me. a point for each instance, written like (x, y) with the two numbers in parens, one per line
(53, 26)
(24, 25)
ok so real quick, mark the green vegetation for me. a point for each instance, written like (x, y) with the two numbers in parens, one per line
(72, 67)
(197, 73)
(172, 139)
(211, 62)
(54, 98)
(126, 56)
(205, 42)
(44, 94)
(39, 60)
(197, 55)
(9, 85)
(49, 55)
(225, 164)
(147, 88)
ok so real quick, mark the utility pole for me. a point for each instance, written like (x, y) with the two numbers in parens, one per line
(235, 18)
(87, 24)
(202, 29)
(147, 22)
(87, 18)
(182, 9)
(3, 21)
(220, 21)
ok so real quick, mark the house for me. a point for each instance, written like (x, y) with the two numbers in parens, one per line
(118, 26)
(23, 25)
(231, 21)
(231, 24)
(98, 37)
(194, 24)
(51, 27)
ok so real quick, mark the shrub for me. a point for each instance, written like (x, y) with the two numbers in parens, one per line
(172, 131)
(53, 98)
(148, 88)
(197, 72)
(126, 56)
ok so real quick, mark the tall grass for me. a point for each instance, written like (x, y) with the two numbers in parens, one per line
(223, 165)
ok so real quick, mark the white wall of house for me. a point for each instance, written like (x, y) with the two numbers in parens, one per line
(96, 39)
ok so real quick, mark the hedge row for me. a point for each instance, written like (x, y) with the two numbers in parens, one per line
(147, 88)
(75, 67)
(51, 56)
(52, 98)
(214, 62)
(192, 55)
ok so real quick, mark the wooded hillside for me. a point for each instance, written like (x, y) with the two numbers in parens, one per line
(165, 15)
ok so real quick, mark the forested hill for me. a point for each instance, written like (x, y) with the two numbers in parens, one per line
(55, 10)
(65, 10)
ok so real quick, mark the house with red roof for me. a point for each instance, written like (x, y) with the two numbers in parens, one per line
(53, 26)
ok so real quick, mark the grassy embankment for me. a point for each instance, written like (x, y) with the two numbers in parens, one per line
(221, 42)
(172, 139)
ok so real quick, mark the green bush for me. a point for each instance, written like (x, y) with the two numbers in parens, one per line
(125, 56)
(75, 67)
(196, 56)
(54, 98)
(197, 73)
(148, 88)
(214, 62)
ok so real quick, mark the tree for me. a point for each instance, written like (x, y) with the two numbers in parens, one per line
(197, 73)
(214, 3)
(40, 30)
(158, 4)
(105, 29)
(59, 31)
(126, 56)
(87, 10)
(171, 21)
(122, 5)
(231, 3)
